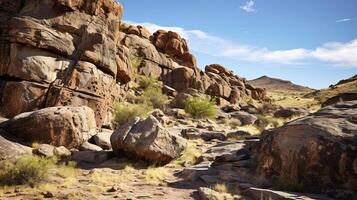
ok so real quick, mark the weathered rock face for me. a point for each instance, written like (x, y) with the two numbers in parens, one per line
(60, 52)
(148, 140)
(315, 152)
(166, 56)
(176, 47)
(58, 126)
(340, 98)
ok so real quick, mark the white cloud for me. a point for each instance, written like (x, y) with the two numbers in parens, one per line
(331, 53)
(343, 20)
(248, 6)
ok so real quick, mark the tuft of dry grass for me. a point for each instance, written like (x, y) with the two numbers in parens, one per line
(220, 187)
(155, 175)
(189, 156)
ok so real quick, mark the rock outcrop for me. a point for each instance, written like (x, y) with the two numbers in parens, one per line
(146, 139)
(59, 126)
(60, 52)
(165, 56)
(315, 152)
(348, 96)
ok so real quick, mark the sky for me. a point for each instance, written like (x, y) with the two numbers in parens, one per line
(310, 42)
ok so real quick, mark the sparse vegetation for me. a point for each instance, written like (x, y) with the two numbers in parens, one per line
(200, 107)
(266, 122)
(156, 174)
(29, 170)
(153, 96)
(190, 155)
(136, 61)
(148, 82)
(67, 170)
(221, 187)
(126, 112)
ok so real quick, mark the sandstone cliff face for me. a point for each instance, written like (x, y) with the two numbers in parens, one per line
(60, 52)
(166, 56)
(77, 53)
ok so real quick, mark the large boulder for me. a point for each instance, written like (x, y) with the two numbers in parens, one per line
(58, 126)
(244, 117)
(176, 47)
(315, 152)
(10, 148)
(290, 112)
(146, 139)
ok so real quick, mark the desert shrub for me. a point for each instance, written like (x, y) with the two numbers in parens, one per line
(200, 107)
(148, 82)
(264, 122)
(25, 170)
(154, 97)
(135, 61)
(126, 112)
(265, 108)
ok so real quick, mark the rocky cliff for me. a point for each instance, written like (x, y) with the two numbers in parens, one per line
(65, 52)
(165, 55)
(60, 52)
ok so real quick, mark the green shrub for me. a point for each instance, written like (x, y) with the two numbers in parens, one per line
(154, 97)
(126, 112)
(26, 170)
(148, 82)
(200, 107)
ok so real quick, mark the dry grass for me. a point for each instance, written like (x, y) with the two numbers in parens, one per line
(67, 170)
(220, 187)
(322, 95)
(288, 99)
(189, 156)
(155, 175)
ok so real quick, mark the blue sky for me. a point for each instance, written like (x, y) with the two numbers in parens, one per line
(311, 42)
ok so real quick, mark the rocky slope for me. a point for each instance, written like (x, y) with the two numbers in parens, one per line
(275, 84)
(64, 64)
(344, 86)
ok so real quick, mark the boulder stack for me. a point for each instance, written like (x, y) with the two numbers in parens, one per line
(60, 52)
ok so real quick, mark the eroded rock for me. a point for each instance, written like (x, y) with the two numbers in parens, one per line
(146, 139)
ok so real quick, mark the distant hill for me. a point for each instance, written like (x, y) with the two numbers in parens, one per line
(275, 84)
(343, 86)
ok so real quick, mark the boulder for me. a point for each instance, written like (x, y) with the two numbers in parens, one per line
(244, 117)
(11, 148)
(102, 139)
(146, 139)
(290, 112)
(176, 47)
(47, 150)
(316, 152)
(87, 146)
(58, 126)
